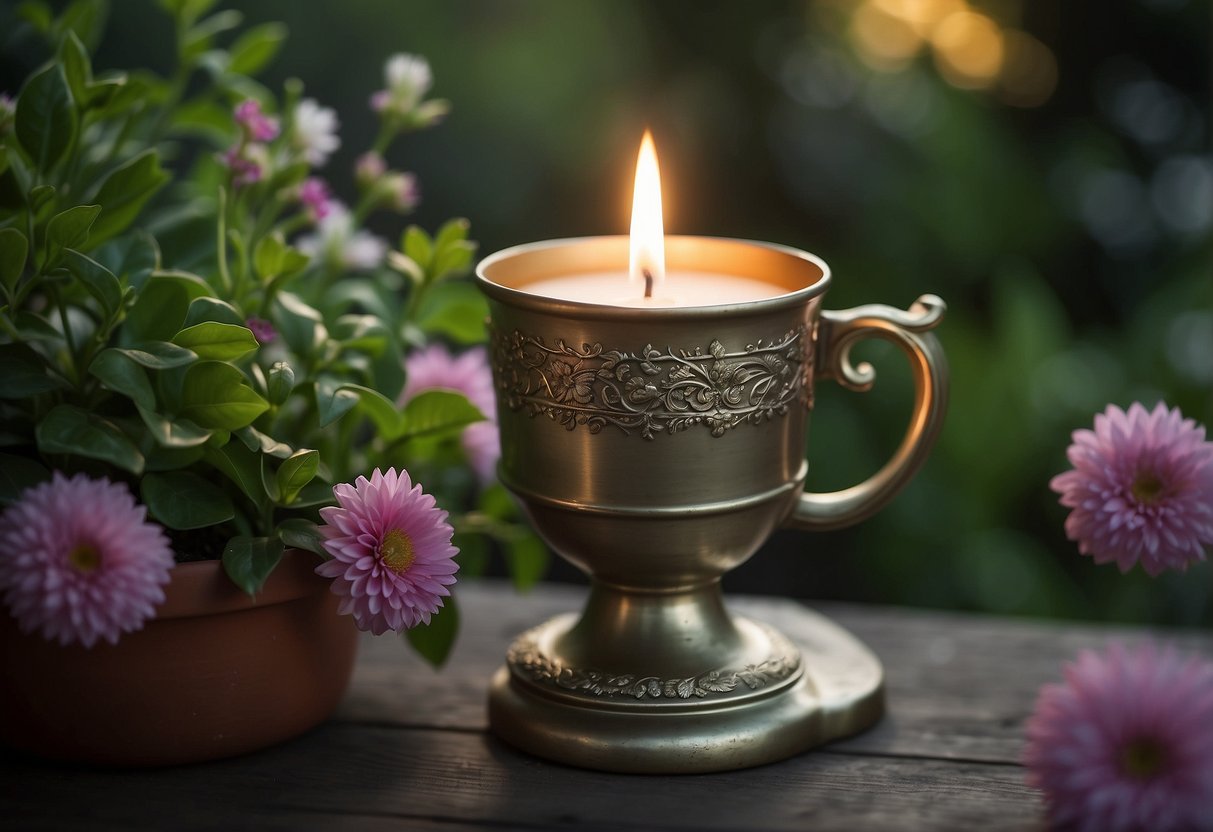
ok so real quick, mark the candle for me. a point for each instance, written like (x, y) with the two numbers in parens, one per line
(680, 288)
(646, 282)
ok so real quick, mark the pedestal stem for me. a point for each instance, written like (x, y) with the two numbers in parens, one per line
(679, 632)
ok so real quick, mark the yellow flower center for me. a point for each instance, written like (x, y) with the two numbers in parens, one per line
(1147, 487)
(84, 558)
(1142, 758)
(396, 551)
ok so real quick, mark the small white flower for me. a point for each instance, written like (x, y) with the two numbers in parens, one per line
(316, 131)
(337, 241)
(408, 80)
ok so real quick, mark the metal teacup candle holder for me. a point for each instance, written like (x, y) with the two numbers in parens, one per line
(656, 449)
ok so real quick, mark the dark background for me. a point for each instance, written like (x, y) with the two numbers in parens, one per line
(1059, 199)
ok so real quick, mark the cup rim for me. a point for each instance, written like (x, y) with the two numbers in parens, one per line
(582, 309)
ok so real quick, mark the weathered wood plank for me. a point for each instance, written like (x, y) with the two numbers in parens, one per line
(408, 748)
(960, 686)
(359, 775)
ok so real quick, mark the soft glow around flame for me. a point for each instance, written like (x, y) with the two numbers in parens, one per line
(648, 230)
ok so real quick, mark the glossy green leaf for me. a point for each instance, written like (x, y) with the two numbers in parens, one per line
(97, 280)
(256, 47)
(212, 309)
(215, 395)
(33, 327)
(122, 374)
(300, 533)
(213, 340)
(416, 244)
(241, 466)
(453, 260)
(268, 481)
(456, 310)
(70, 430)
(85, 18)
(69, 229)
(332, 400)
(173, 433)
(132, 257)
(158, 355)
(381, 410)
(125, 191)
(23, 373)
(160, 458)
(13, 251)
(184, 500)
(301, 326)
(17, 473)
(315, 493)
(255, 440)
(77, 66)
(437, 411)
(452, 231)
(433, 641)
(296, 472)
(203, 118)
(365, 333)
(46, 120)
(268, 256)
(248, 561)
(199, 37)
(159, 311)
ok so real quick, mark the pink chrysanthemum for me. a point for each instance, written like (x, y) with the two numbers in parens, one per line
(1126, 743)
(81, 563)
(435, 367)
(392, 553)
(1141, 490)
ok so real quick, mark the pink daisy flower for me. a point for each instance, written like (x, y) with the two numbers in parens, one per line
(392, 553)
(256, 125)
(314, 195)
(81, 562)
(1141, 490)
(245, 169)
(262, 329)
(436, 368)
(1126, 742)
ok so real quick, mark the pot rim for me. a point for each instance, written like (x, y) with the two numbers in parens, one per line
(203, 587)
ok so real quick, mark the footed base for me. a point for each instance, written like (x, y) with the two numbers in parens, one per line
(726, 718)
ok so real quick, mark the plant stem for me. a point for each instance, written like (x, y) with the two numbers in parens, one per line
(67, 335)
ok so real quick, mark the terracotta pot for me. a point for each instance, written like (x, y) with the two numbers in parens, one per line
(216, 673)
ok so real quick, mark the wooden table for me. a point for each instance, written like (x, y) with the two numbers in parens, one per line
(408, 747)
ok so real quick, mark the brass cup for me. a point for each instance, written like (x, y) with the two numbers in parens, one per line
(656, 449)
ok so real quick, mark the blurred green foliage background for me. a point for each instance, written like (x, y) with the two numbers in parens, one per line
(1045, 167)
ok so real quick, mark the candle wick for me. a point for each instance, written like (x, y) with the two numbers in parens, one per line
(648, 283)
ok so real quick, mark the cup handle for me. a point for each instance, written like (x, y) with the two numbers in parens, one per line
(837, 332)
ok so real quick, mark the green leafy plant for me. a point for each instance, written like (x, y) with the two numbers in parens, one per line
(187, 309)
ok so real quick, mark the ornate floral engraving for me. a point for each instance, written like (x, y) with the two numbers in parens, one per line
(528, 659)
(651, 391)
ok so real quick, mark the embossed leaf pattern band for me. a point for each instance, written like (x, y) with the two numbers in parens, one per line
(531, 662)
(652, 391)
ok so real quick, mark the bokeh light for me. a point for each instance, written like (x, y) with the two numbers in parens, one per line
(968, 49)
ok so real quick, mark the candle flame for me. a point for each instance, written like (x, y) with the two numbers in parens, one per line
(648, 230)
